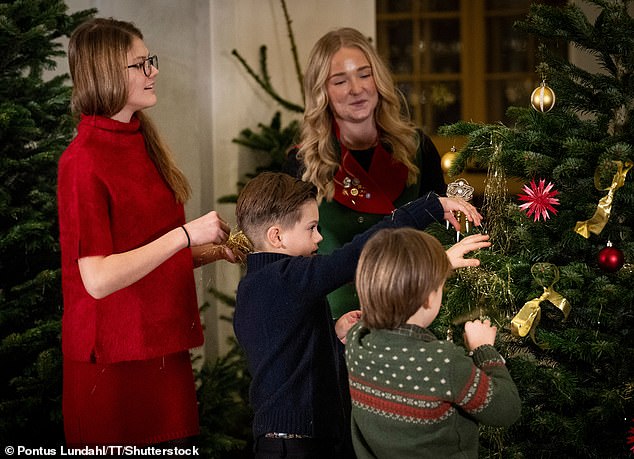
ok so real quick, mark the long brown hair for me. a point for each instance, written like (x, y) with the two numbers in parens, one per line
(97, 57)
(317, 151)
(398, 269)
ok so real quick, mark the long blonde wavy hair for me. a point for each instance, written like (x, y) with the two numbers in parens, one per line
(97, 57)
(317, 150)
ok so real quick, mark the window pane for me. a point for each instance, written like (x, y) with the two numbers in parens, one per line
(507, 49)
(408, 92)
(502, 94)
(398, 46)
(440, 5)
(442, 45)
(441, 103)
(393, 6)
(507, 4)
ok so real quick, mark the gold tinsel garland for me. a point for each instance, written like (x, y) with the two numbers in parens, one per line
(495, 203)
(486, 286)
(489, 288)
(237, 242)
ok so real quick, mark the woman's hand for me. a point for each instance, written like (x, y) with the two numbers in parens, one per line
(456, 252)
(451, 205)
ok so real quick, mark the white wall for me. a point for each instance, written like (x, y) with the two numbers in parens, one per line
(206, 98)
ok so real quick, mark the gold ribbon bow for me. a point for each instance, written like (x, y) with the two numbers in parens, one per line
(602, 214)
(527, 319)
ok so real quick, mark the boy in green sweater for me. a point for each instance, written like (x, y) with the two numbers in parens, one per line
(412, 394)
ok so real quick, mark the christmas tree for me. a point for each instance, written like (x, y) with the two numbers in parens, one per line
(562, 299)
(35, 127)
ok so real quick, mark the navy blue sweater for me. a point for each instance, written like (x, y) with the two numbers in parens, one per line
(283, 323)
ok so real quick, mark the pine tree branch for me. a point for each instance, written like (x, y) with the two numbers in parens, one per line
(291, 37)
(264, 81)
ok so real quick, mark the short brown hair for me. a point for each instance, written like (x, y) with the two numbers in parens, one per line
(270, 198)
(398, 270)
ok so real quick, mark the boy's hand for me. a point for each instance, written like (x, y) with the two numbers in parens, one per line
(345, 323)
(478, 333)
(457, 251)
(451, 205)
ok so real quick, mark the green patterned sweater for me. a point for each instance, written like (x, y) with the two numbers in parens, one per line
(414, 396)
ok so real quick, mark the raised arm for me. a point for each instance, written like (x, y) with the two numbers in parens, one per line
(456, 252)
(490, 395)
(451, 205)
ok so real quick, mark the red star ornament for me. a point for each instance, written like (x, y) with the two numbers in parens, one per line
(539, 200)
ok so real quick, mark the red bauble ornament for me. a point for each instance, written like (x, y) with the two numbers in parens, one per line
(610, 259)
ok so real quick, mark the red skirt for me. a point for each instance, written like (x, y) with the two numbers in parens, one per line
(129, 403)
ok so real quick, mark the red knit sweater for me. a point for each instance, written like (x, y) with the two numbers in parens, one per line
(112, 199)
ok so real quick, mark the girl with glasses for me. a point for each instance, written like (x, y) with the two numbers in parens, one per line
(130, 306)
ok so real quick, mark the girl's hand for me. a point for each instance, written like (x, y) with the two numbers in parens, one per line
(210, 228)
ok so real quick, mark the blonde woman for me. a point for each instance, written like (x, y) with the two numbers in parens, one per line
(130, 308)
(357, 145)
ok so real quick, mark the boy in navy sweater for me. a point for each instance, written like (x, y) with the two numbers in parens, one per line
(282, 320)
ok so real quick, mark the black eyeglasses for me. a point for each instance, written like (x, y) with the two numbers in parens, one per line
(147, 65)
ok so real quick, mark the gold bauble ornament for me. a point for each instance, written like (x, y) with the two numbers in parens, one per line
(447, 160)
(543, 98)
